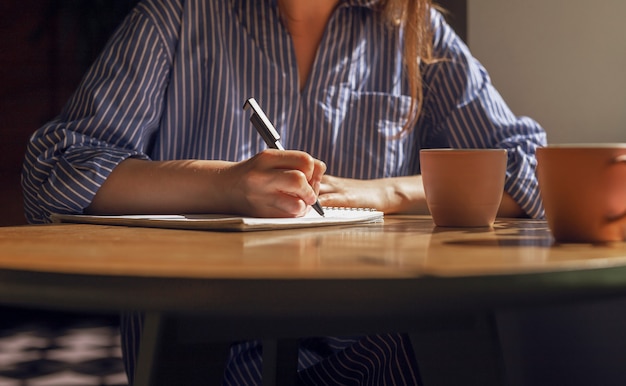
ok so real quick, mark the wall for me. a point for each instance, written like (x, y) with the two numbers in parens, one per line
(45, 48)
(560, 61)
(24, 98)
(456, 14)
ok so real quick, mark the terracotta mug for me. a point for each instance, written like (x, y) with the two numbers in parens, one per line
(463, 187)
(583, 187)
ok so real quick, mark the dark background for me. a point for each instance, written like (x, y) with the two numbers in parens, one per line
(46, 47)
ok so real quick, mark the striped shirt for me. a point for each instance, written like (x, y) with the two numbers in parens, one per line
(171, 82)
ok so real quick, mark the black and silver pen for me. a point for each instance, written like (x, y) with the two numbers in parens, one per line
(263, 125)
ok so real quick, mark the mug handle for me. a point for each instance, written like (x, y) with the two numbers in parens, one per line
(622, 217)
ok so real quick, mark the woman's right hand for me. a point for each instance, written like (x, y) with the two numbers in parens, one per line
(273, 183)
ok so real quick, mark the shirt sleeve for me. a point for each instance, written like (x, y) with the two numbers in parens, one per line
(464, 110)
(109, 118)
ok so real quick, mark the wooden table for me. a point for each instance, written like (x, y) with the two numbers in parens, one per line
(439, 284)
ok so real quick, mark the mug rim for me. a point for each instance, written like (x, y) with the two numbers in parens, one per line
(454, 150)
(589, 145)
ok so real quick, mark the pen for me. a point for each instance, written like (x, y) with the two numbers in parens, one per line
(269, 134)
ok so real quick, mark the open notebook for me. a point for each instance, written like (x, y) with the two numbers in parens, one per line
(333, 216)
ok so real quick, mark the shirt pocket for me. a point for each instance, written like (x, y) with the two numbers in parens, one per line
(383, 112)
(371, 132)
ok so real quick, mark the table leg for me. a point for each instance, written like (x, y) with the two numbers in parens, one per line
(165, 360)
(150, 337)
(280, 362)
(463, 352)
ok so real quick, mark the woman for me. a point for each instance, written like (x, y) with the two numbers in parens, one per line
(357, 87)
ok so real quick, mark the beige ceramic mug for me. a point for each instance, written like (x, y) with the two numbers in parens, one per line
(463, 187)
(583, 187)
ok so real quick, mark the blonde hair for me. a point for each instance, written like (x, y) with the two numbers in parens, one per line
(414, 17)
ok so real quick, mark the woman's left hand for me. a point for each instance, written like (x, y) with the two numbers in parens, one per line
(389, 195)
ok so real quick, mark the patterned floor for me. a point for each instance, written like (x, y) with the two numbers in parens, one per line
(40, 348)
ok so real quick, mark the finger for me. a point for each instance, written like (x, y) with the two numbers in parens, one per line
(280, 189)
(318, 173)
(312, 168)
(316, 187)
(282, 205)
(294, 183)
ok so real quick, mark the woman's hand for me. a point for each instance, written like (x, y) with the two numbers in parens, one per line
(274, 183)
(389, 195)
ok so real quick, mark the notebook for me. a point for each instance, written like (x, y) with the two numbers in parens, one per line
(333, 216)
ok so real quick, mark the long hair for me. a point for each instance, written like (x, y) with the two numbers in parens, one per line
(414, 17)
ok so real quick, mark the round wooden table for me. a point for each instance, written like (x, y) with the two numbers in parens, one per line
(401, 275)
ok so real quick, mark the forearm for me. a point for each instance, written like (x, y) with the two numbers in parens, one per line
(185, 186)
(407, 196)
(510, 208)
(404, 195)
(391, 195)
(273, 183)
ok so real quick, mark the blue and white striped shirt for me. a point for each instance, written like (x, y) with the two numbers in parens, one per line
(172, 80)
